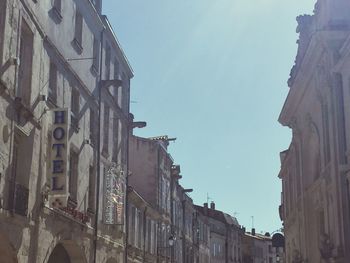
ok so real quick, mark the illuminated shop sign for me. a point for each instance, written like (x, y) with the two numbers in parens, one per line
(58, 159)
(114, 184)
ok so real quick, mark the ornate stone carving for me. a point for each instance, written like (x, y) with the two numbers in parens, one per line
(304, 29)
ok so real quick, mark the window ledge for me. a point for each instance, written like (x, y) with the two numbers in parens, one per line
(52, 100)
(72, 202)
(77, 46)
(57, 14)
(94, 70)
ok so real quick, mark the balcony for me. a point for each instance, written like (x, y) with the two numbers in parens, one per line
(18, 198)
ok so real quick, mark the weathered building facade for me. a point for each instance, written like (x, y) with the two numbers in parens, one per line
(142, 224)
(63, 150)
(225, 238)
(315, 168)
(150, 167)
(258, 248)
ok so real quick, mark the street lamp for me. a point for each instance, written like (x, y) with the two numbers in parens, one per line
(171, 243)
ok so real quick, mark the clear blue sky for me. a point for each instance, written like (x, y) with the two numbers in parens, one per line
(213, 74)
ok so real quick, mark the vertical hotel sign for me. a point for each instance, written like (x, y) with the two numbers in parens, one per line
(114, 195)
(58, 159)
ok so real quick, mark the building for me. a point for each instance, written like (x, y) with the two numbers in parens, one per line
(177, 197)
(189, 251)
(142, 234)
(258, 248)
(315, 168)
(64, 133)
(225, 235)
(201, 237)
(150, 166)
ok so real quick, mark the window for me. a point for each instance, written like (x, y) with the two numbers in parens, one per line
(2, 26)
(25, 68)
(57, 9)
(91, 194)
(92, 127)
(124, 143)
(149, 235)
(75, 108)
(115, 138)
(52, 93)
(22, 155)
(107, 62)
(125, 93)
(133, 225)
(78, 33)
(139, 228)
(75, 102)
(340, 117)
(73, 174)
(326, 143)
(116, 76)
(57, 5)
(105, 129)
(96, 55)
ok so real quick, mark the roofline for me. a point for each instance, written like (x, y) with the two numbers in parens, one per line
(109, 29)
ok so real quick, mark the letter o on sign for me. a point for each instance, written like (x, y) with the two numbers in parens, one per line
(59, 133)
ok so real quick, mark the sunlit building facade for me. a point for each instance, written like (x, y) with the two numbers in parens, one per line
(315, 168)
(63, 150)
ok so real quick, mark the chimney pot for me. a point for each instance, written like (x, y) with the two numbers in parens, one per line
(212, 205)
(253, 231)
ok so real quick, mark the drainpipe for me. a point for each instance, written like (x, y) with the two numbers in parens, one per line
(98, 175)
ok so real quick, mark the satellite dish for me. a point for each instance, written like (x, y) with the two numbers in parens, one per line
(278, 240)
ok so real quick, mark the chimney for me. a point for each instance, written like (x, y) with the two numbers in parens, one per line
(205, 205)
(253, 231)
(212, 205)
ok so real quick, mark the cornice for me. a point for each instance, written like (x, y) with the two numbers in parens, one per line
(114, 40)
(302, 78)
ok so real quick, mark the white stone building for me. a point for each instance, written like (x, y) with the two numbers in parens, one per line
(63, 133)
(315, 168)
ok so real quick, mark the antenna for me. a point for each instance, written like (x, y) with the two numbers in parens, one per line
(252, 222)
